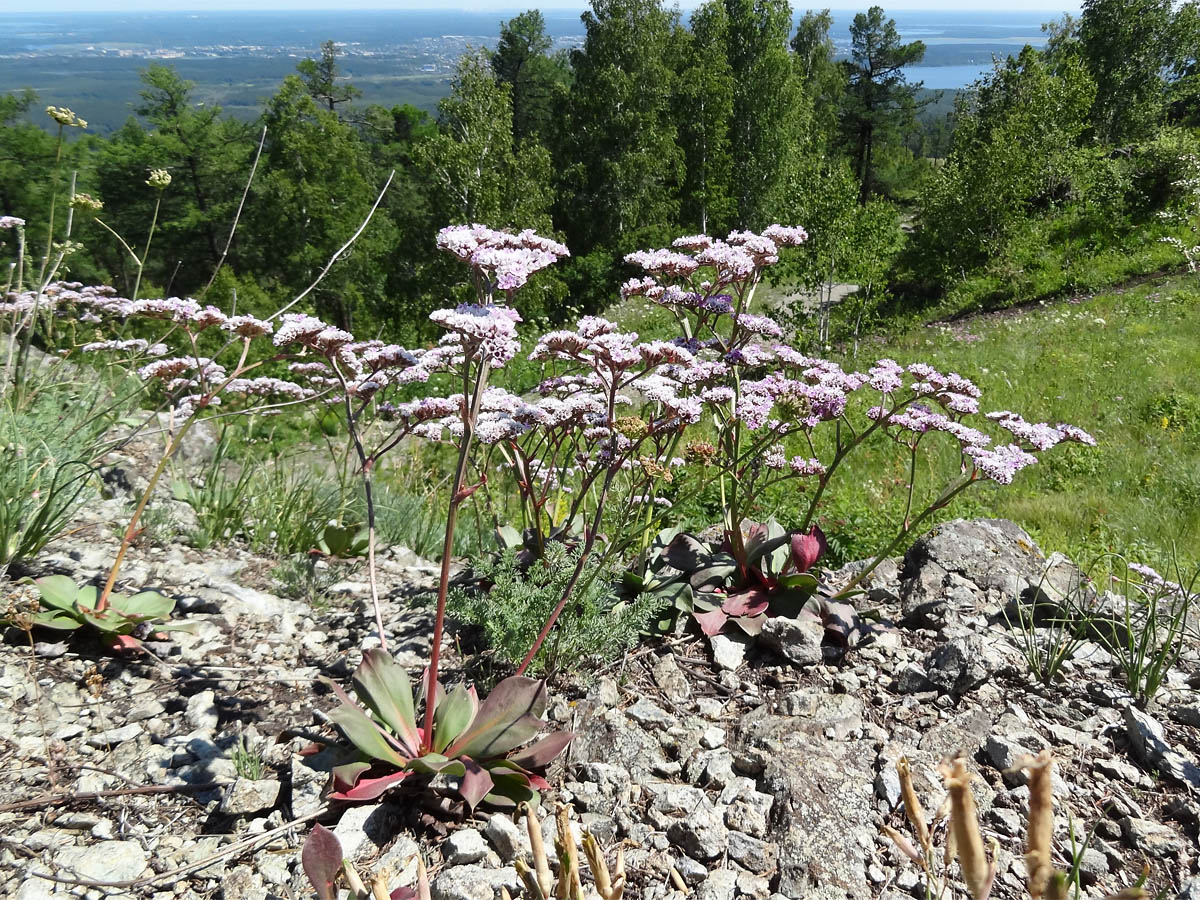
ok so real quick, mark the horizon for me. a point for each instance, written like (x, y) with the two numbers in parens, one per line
(58, 7)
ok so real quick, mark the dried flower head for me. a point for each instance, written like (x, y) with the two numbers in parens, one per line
(82, 202)
(65, 117)
(159, 179)
(1041, 822)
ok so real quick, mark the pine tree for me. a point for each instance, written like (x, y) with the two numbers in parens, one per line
(321, 77)
(879, 100)
(522, 60)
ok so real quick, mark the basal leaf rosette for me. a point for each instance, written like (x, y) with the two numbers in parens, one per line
(122, 625)
(476, 744)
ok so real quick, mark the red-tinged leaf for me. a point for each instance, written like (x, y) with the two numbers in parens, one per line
(538, 782)
(384, 687)
(711, 622)
(750, 602)
(403, 893)
(321, 858)
(370, 788)
(362, 732)
(752, 625)
(542, 752)
(122, 643)
(312, 748)
(808, 548)
(475, 784)
(510, 716)
(346, 775)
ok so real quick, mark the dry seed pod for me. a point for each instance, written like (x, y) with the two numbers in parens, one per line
(964, 826)
(544, 880)
(912, 805)
(1041, 822)
(903, 844)
(569, 884)
(610, 886)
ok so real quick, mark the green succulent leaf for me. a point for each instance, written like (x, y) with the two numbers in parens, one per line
(146, 605)
(510, 716)
(383, 686)
(361, 731)
(452, 717)
(57, 618)
(88, 595)
(57, 592)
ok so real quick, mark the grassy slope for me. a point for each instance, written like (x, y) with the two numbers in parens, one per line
(1123, 365)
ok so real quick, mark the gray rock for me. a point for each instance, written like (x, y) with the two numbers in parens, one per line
(671, 680)
(1148, 741)
(755, 855)
(473, 883)
(115, 736)
(1189, 890)
(821, 787)
(1093, 865)
(1152, 838)
(912, 679)
(119, 861)
(202, 711)
(729, 651)
(960, 665)
(244, 883)
(647, 714)
(720, 884)
(796, 640)
(464, 846)
(365, 829)
(701, 834)
(246, 796)
(507, 838)
(147, 709)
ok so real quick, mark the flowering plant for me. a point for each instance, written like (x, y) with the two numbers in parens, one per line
(780, 415)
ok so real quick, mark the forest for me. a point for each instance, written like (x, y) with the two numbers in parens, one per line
(1048, 176)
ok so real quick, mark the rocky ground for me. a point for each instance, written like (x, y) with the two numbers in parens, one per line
(734, 769)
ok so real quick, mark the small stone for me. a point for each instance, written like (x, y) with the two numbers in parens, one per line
(712, 738)
(364, 828)
(690, 871)
(1153, 839)
(244, 883)
(702, 835)
(912, 680)
(473, 883)
(728, 651)
(147, 709)
(757, 856)
(118, 861)
(796, 640)
(648, 715)
(1005, 821)
(249, 796)
(1093, 865)
(464, 846)
(202, 711)
(115, 736)
(506, 837)
(671, 680)
(719, 885)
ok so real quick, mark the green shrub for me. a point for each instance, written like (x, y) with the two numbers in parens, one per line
(512, 604)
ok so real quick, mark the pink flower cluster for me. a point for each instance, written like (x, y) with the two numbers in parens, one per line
(508, 260)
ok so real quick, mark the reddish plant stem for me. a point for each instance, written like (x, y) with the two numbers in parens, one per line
(470, 415)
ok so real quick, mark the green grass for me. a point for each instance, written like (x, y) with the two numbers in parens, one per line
(1124, 366)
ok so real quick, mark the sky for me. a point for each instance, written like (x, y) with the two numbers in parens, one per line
(1039, 6)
